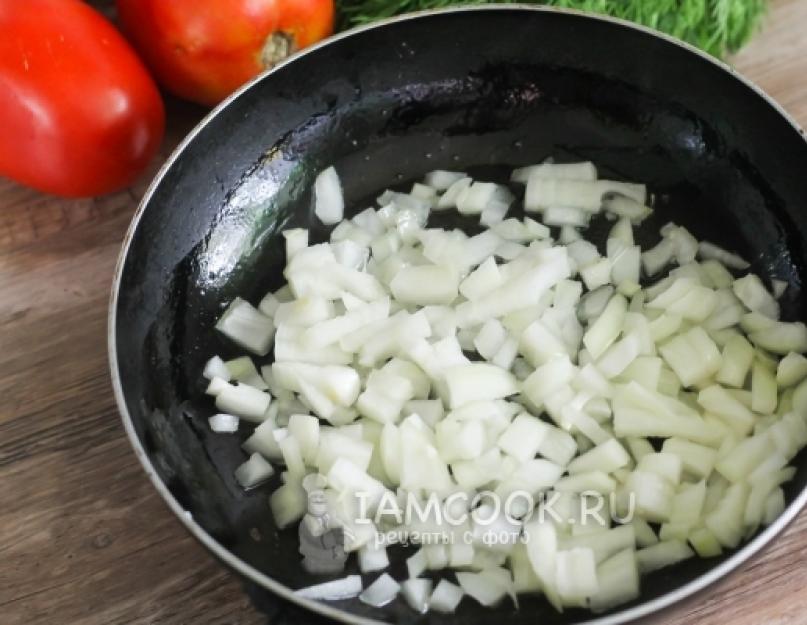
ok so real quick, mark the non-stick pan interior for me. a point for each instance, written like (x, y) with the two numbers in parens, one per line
(482, 91)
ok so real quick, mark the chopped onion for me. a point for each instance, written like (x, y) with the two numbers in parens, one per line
(655, 259)
(441, 179)
(583, 194)
(710, 251)
(479, 587)
(477, 381)
(373, 558)
(244, 401)
(329, 205)
(779, 287)
(247, 327)
(476, 197)
(662, 554)
(254, 471)
(418, 361)
(288, 504)
(417, 592)
(751, 292)
(445, 597)
(380, 592)
(791, 370)
(565, 171)
(216, 386)
(345, 588)
(576, 575)
(494, 212)
(425, 284)
(223, 423)
(625, 206)
(617, 581)
(452, 193)
(215, 368)
(606, 327)
(565, 216)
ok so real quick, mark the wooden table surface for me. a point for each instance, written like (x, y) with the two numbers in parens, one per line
(84, 538)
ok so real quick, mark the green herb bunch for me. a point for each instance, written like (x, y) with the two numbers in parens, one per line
(717, 26)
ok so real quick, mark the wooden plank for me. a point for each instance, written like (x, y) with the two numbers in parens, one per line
(84, 537)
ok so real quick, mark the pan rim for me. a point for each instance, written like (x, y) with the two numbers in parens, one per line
(249, 572)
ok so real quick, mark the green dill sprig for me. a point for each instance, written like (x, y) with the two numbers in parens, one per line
(717, 26)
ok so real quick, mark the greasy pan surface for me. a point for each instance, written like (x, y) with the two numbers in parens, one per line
(470, 90)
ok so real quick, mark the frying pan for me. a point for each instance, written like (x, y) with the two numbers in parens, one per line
(479, 90)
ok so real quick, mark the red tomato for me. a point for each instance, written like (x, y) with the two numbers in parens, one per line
(79, 113)
(203, 50)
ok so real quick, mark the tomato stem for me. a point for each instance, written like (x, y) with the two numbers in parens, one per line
(278, 46)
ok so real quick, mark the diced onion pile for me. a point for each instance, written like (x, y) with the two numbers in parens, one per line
(416, 360)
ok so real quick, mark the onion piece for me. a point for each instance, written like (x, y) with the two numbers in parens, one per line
(565, 216)
(774, 506)
(417, 593)
(476, 197)
(425, 284)
(781, 337)
(710, 251)
(380, 592)
(569, 234)
(268, 305)
(791, 370)
(246, 326)
(329, 205)
(244, 401)
(253, 472)
(523, 437)
(424, 192)
(216, 386)
(751, 292)
(693, 356)
(684, 244)
(223, 423)
(479, 587)
(452, 193)
(625, 206)
(441, 179)
(564, 171)
(576, 575)
(738, 354)
(296, 240)
(215, 368)
(597, 274)
(583, 194)
(763, 389)
(446, 597)
(608, 457)
(288, 504)
(477, 381)
(662, 554)
(656, 258)
(697, 460)
(618, 581)
(243, 370)
(368, 221)
(704, 543)
(338, 589)
(778, 287)
(607, 327)
(494, 213)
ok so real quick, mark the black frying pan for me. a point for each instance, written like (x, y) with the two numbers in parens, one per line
(480, 90)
